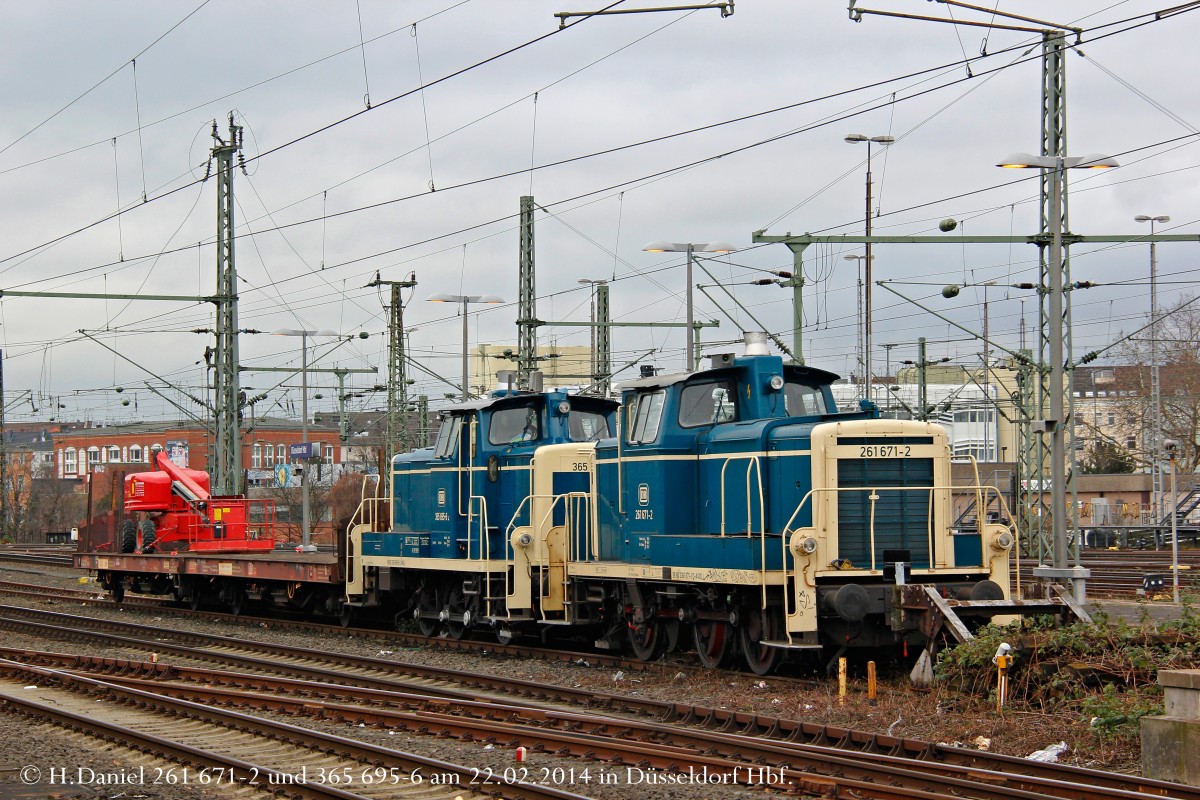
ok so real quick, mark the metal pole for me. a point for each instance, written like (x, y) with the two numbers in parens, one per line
(4, 497)
(689, 358)
(1156, 395)
(465, 366)
(305, 535)
(1057, 424)
(1174, 535)
(867, 288)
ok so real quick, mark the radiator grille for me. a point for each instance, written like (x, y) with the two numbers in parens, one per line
(901, 516)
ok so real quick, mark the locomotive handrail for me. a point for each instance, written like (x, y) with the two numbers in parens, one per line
(540, 525)
(483, 532)
(788, 597)
(754, 462)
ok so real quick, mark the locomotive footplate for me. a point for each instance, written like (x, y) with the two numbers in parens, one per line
(925, 607)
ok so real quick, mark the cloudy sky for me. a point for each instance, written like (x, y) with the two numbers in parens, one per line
(683, 126)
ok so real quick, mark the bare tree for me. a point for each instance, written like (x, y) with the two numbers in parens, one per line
(1179, 378)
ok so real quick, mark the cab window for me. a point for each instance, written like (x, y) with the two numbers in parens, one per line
(513, 425)
(645, 417)
(801, 400)
(448, 435)
(707, 403)
(587, 426)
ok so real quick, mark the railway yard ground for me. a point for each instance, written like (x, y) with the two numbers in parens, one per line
(1089, 702)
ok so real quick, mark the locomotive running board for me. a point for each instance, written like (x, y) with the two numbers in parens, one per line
(943, 612)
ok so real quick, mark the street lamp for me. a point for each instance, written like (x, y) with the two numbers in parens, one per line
(1155, 386)
(689, 248)
(855, 138)
(305, 533)
(859, 326)
(464, 299)
(1055, 424)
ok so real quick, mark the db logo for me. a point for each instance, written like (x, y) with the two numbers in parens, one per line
(441, 497)
(644, 494)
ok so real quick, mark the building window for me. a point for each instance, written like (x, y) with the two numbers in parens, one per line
(269, 456)
(114, 455)
(329, 454)
(1112, 418)
(93, 456)
(135, 454)
(257, 455)
(70, 465)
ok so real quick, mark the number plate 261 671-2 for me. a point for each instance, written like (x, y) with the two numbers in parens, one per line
(884, 451)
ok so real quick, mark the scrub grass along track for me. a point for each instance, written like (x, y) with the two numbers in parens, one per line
(238, 747)
(659, 745)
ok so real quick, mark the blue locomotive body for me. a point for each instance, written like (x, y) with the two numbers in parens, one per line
(734, 503)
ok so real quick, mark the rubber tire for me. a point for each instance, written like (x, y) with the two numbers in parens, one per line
(149, 535)
(128, 540)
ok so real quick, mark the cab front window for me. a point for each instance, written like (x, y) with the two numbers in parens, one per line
(448, 435)
(645, 417)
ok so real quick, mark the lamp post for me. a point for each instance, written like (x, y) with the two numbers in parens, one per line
(1055, 424)
(305, 532)
(464, 299)
(855, 138)
(861, 328)
(689, 248)
(1155, 386)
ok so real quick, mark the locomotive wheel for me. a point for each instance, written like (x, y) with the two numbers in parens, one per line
(427, 601)
(759, 625)
(346, 616)
(714, 642)
(458, 604)
(149, 535)
(648, 640)
(128, 536)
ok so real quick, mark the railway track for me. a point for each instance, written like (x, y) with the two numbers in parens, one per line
(213, 746)
(1120, 573)
(667, 734)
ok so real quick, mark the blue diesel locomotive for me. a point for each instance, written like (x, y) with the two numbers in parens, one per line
(733, 510)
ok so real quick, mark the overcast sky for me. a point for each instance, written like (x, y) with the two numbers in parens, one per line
(107, 103)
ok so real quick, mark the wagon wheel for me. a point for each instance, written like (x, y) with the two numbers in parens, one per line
(149, 535)
(117, 587)
(714, 642)
(237, 603)
(427, 601)
(128, 536)
(759, 625)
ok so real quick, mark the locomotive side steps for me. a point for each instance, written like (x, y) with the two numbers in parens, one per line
(938, 612)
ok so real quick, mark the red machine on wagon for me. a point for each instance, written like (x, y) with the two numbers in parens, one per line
(178, 512)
